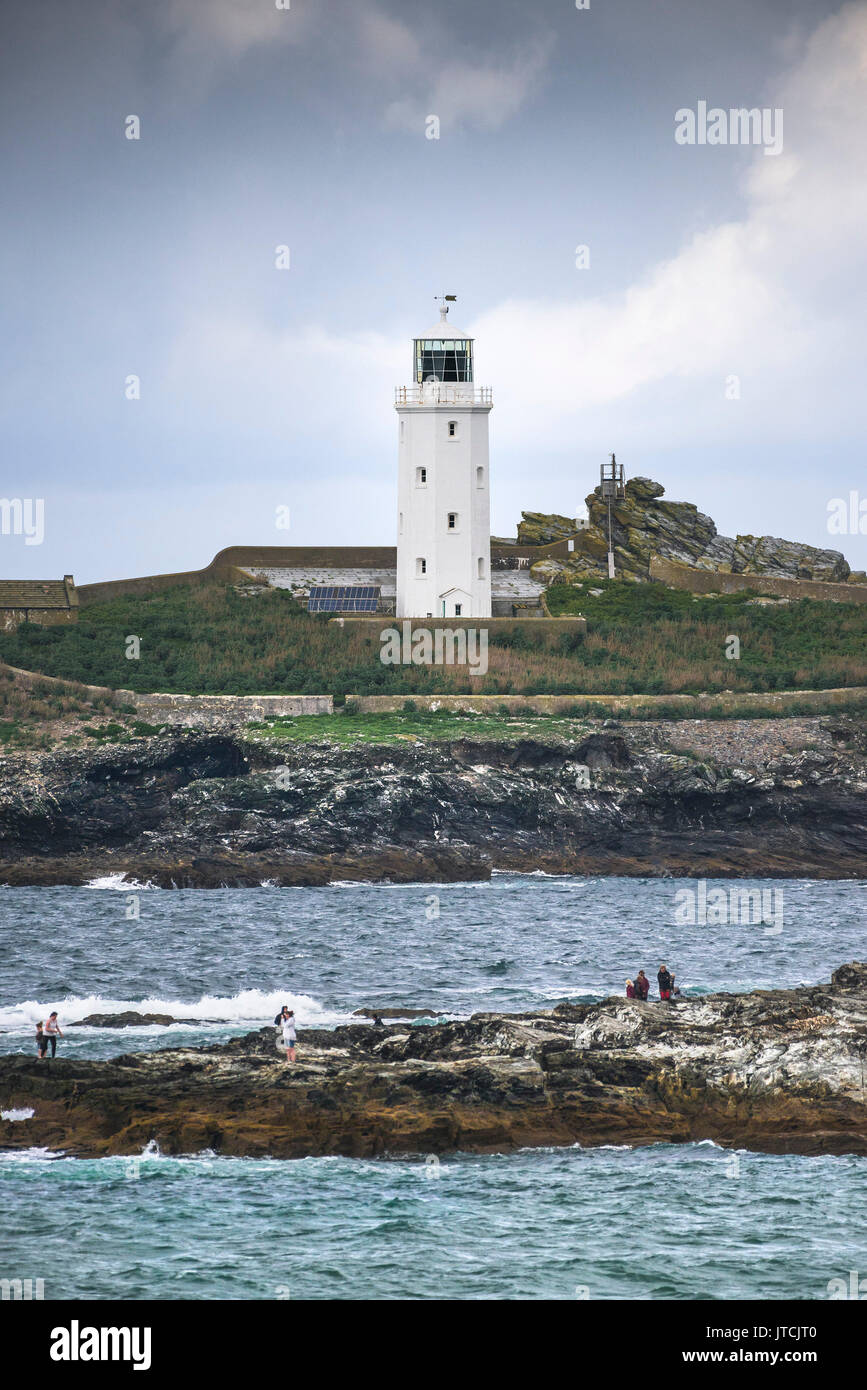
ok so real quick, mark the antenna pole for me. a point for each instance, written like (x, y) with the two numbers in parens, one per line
(611, 479)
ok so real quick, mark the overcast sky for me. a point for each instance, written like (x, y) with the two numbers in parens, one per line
(265, 388)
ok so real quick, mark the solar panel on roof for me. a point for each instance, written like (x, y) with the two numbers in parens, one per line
(343, 598)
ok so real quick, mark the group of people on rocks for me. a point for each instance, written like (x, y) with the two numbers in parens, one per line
(639, 988)
(48, 1032)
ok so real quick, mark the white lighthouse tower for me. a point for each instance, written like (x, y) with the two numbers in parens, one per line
(444, 509)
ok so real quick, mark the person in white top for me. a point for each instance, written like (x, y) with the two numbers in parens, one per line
(53, 1031)
(289, 1034)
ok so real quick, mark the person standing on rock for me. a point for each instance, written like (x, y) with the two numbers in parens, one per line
(630, 990)
(642, 985)
(41, 1042)
(289, 1034)
(665, 982)
(53, 1031)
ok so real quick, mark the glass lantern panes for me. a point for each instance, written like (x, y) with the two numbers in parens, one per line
(443, 359)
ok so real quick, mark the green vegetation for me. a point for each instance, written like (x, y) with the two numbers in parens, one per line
(422, 726)
(642, 638)
(502, 723)
(632, 604)
(677, 640)
(109, 733)
(27, 710)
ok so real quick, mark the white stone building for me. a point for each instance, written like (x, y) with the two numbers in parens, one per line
(444, 512)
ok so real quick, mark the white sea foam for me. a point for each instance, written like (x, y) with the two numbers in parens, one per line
(427, 884)
(21, 1114)
(24, 1155)
(119, 882)
(252, 1007)
(532, 873)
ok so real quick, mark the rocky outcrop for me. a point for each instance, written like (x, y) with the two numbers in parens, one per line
(541, 528)
(393, 1013)
(206, 810)
(777, 1071)
(131, 1019)
(644, 525)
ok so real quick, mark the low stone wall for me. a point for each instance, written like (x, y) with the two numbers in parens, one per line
(539, 617)
(790, 701)
(202, 710)
(11, 618)
(698, 581)
(307, 556)
(32, 678)
(233, 565)
(221, 709)
(155, 583)
(186, 709)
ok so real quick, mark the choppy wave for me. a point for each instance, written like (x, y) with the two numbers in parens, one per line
(534, 873)
(29, 1155)
(250, 1006)
(119, 881)
(498, 967)
(15, 1115)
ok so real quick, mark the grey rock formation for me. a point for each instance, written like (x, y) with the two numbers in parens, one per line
(644, 523)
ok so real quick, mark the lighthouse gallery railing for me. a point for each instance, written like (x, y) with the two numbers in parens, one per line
(443, 393)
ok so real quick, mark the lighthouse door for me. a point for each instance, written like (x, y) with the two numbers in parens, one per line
(456, 603)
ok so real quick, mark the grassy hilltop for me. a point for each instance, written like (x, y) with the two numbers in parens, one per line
(642, 638)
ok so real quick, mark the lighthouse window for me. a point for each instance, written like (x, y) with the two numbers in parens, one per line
(453, 521)
(444, 359)
(421, 477)
(481, 568)
(420, 567)
(480, 477)
(453, 429)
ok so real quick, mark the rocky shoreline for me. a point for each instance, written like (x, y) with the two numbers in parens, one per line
(736, 798)
(779, 1071)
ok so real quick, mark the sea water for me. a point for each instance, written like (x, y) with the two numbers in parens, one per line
(665, 1221)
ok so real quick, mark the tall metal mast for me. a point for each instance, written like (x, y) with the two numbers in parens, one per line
(613, 489)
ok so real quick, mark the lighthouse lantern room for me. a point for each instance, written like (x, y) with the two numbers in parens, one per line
(444, 513)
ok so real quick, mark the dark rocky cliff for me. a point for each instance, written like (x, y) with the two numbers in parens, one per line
(777, 797)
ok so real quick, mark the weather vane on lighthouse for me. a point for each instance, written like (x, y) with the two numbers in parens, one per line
(444, 300)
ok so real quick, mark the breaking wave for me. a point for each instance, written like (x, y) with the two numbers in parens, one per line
(120, 882)
(251, 1007)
